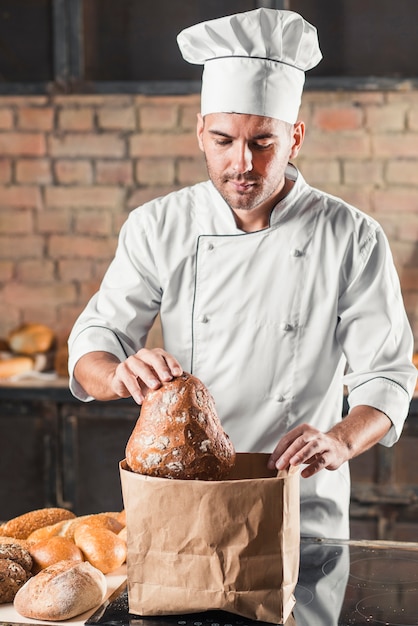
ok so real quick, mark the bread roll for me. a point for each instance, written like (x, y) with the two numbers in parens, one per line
(23, 525)
(101, 547)
(179, 435)
(67, 528)
(11, 366)
(61, 591)
(16, 553)
(49, 551)
(31, 338)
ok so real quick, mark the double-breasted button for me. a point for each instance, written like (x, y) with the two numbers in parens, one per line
(296, 252)
(203, 319)
(286, 326)
(280, 398)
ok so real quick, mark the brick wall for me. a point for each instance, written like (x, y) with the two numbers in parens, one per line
(72, 167)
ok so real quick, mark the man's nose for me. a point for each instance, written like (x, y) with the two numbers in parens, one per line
(242, 159)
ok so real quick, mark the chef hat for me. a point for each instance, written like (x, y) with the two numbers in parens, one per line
(254, 62)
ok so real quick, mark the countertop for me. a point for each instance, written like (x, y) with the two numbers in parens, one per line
(341, 583)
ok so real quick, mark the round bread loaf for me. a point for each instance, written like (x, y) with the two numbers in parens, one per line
(101, 547)
(31, 338)
(23, 525)
(49, 551)
(179, 435)
(12, 577)
(15, 365)
(61, 591)
(17, 553)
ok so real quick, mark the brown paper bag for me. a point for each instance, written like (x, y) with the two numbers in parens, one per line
(231, 545)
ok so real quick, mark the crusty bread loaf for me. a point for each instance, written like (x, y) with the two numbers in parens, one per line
(101, 547)
(23, 525)
(179, 434)
(31, 338)
(11, 366)
(15, 569)
(61, 592)
(49, 551)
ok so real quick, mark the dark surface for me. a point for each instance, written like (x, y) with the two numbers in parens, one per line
(340, 584)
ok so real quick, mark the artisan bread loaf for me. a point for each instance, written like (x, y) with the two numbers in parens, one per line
(31, 338)
(61, 592)
(15, 569)
(49, 551)
(11, 366)
(179, 434)
(23, 525)
(101, 547)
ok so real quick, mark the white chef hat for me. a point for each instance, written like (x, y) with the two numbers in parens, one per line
(254, 62)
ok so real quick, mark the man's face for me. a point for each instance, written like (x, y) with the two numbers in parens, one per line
(246, 156)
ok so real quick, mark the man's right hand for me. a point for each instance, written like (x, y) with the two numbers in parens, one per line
(104, 377)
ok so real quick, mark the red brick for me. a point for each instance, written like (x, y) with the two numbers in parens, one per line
(5, 170)
(355, 144)
(413, 119)
(73, 172)
(394, 145)
(9, 318)
(320, 171)
(408, 229)
(21, 247)
(22, 144)
(117, 172)
(158, 117)
(6, 119)
(20, 197)
(190, 171)
(368, 172)
(337, 118)
(386, 118)
(409, 278)
(399, 200)
(82, 197)
(93, 223)
(15, 221)
(35, 271)
(402, 172)
(67, 247)
(155, 171)
(140, 196)
(34, 171)
(188, 117)
(164, 145)
(87, 145)
(6, 271)
(117, 118)
(26, 294)
(54, 221)
(36, 118)
(75, 269)
(76, 119)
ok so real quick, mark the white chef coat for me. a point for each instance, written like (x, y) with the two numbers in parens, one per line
(268, 320)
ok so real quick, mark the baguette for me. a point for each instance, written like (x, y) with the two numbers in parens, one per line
(61, 592)
(22, 526)
(14, 365)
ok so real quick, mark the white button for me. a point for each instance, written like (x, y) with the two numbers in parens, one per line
(203, 319)
(296, 252)
(286, 326)
(280, 398)
(210, 246)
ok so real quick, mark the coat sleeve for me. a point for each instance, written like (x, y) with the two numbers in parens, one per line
(119, 316)
(375, 334)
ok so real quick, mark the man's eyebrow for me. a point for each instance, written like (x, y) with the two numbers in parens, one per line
(256, 137)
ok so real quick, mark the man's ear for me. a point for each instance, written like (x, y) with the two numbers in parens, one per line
(199, 130)
(297, 138)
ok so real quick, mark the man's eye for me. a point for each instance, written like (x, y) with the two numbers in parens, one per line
(222, 142)
(262, 146)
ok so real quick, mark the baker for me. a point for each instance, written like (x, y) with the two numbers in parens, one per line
(273, 293)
